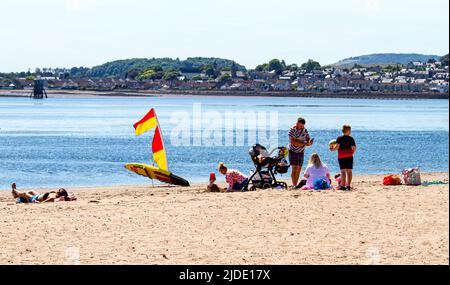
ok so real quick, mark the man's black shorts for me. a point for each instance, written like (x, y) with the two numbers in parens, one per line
(296, 158)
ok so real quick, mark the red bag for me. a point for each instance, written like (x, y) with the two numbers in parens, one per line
(392, 180)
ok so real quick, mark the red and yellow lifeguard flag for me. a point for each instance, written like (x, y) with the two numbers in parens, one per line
(149, 122)
(159, 151)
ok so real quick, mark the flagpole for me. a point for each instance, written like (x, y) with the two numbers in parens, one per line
(162, 137)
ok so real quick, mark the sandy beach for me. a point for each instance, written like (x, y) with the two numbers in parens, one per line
(161, 225)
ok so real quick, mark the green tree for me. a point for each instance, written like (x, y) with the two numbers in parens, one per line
(444, 60)
(171, 75)
(147, 74)
(132, 74)
(276, 65)
(311, 65)
(234, 70)
(292, 67)
(262, 67)
(392, 69)
(210, 71)
(157, 68)
(225, 79)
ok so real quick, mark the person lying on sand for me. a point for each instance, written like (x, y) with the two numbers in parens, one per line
(35, 197)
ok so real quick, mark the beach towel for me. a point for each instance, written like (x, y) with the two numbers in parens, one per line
(392, 180)
(434, 183)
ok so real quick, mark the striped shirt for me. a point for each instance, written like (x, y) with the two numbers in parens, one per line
(301, 135)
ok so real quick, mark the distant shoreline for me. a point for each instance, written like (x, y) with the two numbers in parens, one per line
(221, 93)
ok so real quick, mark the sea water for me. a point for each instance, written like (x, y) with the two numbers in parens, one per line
(86, 141)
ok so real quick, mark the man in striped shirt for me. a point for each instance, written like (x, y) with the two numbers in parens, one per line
(299, 139)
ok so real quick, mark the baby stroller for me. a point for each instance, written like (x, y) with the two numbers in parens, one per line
(267, 166)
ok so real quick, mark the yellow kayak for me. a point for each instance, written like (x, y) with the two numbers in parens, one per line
(154, 173)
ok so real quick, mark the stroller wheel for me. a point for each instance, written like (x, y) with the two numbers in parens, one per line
(267, 186)
(253, 189)
(281, 184)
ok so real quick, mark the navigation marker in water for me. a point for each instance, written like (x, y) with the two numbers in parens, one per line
(39, 90)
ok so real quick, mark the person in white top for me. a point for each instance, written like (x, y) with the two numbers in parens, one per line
(315, 170)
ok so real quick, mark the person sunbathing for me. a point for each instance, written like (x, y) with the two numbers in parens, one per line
(31, 197)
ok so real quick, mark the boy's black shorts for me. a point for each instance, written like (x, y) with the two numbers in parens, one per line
(346, 163)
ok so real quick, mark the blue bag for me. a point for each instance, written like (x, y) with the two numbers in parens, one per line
(321, 184)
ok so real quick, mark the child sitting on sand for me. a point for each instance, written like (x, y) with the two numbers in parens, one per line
(338, 179)
(212, 187)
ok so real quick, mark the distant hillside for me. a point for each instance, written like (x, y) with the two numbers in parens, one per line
(121, 68)
(444, 60)
(385, 59)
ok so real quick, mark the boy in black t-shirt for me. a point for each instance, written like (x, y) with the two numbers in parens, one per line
(346, 147)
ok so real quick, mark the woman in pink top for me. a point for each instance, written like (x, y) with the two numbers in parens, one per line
(235, 179)
(315, 170)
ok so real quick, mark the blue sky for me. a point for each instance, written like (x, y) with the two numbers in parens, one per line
(66, 33)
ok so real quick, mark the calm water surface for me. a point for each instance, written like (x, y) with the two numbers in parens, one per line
(86, 141)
